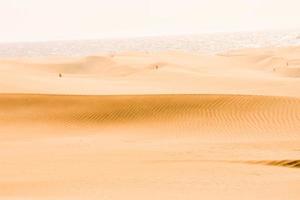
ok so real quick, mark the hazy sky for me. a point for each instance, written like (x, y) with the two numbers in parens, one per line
(34, 20)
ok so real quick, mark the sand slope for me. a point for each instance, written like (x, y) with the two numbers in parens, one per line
(220, 114)
(165, 125)
(111, 147)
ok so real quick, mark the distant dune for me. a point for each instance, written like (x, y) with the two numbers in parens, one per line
(272, 72)
(166, 125)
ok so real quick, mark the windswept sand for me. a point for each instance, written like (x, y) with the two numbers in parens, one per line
(166, 125)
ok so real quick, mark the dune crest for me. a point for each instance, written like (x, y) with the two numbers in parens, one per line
(201, 114)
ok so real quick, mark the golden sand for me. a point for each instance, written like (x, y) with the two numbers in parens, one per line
(165, 125)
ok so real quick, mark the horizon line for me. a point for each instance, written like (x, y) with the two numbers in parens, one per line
(147, 36)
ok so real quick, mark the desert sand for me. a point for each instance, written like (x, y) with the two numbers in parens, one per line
(164, 125)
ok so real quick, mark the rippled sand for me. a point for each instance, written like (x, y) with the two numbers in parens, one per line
(165, 125)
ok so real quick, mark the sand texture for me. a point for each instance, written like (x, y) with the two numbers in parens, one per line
(165, 125)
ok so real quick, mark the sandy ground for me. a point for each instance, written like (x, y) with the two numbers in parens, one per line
(165, 125)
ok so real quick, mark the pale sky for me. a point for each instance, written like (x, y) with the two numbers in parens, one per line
(42, 20)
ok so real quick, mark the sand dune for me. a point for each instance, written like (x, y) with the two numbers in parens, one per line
(247, 72)
(282, 61)
(70, 146)
(166, 125)
(201, 114)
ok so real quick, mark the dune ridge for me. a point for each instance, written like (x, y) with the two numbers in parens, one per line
(209, 113)
(280, 163)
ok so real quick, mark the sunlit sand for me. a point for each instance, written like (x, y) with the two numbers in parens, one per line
(165, 125)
